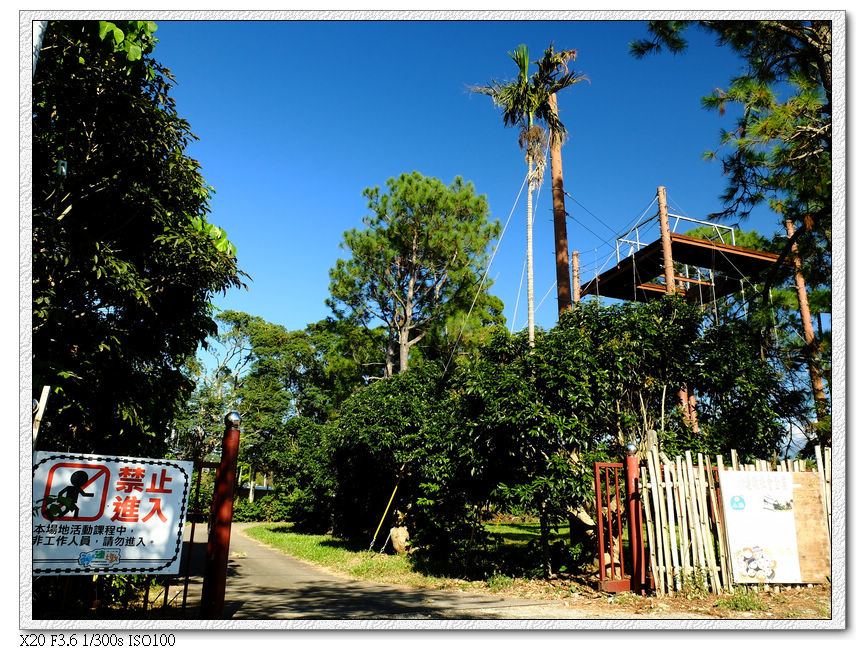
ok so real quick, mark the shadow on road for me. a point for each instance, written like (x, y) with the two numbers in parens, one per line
(341, 601)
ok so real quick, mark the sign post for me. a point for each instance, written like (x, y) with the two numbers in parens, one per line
(213, 588)
(99, 514)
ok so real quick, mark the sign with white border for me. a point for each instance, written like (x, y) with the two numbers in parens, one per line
(97, 514)
(761, 526)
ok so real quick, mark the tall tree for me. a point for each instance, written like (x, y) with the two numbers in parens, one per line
(781, 148)
(549, 66)
(420, 259)
(523, 102)
(125, 263)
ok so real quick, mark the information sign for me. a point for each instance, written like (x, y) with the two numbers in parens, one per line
(108, 514)
(761, 526)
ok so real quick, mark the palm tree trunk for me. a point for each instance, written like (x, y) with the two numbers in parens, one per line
(560, 228)
(530, 269)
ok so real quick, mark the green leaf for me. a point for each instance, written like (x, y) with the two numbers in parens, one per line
(104, 28)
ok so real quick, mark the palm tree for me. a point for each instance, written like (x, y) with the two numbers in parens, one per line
(525, 101)
(548, 67)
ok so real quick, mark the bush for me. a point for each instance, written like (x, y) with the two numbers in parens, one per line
(301, 459)
(271, 508)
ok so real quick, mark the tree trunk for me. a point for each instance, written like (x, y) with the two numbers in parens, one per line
(389, 358)
(545, 541)
(820, 403)
(251, 484)
(560, 227)
(530, 272)
(581, 528)
(403, 350)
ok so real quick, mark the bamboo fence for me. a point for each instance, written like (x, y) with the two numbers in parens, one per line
(685, 530)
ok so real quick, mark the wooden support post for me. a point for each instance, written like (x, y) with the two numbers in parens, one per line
(666, 241)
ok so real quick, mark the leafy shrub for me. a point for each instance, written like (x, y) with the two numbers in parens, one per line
(271, 508)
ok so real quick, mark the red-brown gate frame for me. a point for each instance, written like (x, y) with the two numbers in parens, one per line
(624, 502)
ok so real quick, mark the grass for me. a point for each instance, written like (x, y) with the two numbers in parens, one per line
(498, 582)
(357, 561)
(743, 600)
(344, 557)
(524, 532)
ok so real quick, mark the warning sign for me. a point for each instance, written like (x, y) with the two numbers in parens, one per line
(99, 514)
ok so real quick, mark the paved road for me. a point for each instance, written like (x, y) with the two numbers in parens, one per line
(264, 583)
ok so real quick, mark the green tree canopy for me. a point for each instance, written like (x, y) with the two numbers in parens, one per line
(420, 260)
(780, 150)
(125, 263)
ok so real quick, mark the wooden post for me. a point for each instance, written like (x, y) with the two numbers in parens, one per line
(216, 568)
(670, 284)
(666, 241)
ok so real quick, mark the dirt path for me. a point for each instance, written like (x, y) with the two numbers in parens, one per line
(266, 584)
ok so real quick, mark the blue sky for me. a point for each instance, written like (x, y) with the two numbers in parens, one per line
(295, 119)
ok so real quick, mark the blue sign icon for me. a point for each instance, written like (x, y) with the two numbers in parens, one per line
(737, 503)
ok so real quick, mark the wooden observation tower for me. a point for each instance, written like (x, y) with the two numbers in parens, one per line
(701, 270)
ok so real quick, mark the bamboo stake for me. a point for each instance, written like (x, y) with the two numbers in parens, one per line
(734, 460)
(660, 577)
(723, 524)
(650, 526)
(708, 537)
(671, 520)
(693, 505)
(665, 527)
(680, 513)
(719, 534)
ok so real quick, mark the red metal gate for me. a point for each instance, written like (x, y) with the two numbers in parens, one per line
(620, 523)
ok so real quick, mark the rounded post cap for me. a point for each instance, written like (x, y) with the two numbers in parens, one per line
(232, 420)
(631, 448)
